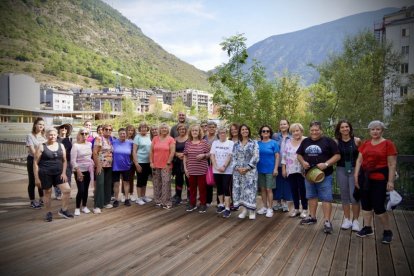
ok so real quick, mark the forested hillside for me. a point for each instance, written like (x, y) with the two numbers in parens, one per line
(80, 42)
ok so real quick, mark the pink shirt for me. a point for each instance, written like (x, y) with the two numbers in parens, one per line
(161, 151)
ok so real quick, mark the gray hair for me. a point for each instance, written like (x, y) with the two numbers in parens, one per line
(375, 124)
(211, 123)
(222, 129)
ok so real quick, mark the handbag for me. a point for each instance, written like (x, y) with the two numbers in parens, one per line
(209, 176)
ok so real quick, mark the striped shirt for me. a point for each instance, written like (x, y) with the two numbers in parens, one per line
(195, 166)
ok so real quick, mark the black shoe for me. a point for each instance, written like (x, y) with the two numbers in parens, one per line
(327, 227)
(387, 236)
(308, 221)
(203, 209)
(226, 213)
(127, 202)
(41, 203)
(48, 217)
(365, 231)
(115, 203)
(65, 214)
(35, 205)
(191, 208)
(220, 209)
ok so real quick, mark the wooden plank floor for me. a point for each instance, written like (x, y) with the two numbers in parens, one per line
(145, 240)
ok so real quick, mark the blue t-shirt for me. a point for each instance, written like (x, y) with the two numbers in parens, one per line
(121, 155)
(267, 153)
(144, 147)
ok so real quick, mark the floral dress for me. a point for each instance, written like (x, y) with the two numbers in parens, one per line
(245, 186)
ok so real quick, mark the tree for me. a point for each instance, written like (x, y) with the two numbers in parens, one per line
(106, 109)
(177, 106)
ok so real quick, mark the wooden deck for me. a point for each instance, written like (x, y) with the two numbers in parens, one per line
(145, 240)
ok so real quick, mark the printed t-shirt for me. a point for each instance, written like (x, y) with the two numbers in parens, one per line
(221, 151)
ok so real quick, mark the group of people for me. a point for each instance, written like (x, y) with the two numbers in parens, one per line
(203, 156)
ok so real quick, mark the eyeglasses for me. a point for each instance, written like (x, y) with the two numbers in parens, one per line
(265, 131)
(84, 133)
(108, 129)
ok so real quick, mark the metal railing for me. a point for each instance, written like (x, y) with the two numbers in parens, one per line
(13, 151)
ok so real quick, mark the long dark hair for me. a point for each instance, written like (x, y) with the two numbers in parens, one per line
(261, 128)
(338, 135)
(38, 119)
(248, 128)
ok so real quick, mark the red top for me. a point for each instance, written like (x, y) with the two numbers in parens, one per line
(161, 151)
(375, 156)
(195, 166)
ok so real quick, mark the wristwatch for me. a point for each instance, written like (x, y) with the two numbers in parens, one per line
(326, 164)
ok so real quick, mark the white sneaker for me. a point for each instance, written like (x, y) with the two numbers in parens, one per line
(252, 214)
(355, 225)
(262, 211)
(97, 210)
(132, 198)
(140, 201)
(122, 198)
(269, 213)
(304, 214)
(77, 212)
(346, 224)
(243, 214)
(108, 206)
(86, 210)
(285, 208)
(294, 213)
(146, 199)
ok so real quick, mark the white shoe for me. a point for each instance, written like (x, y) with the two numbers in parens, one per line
(243, 214)
(122, 198)
(132, 198)
(140, 201)
(304, 214)
(285, 208)
(355, 225)
(294, 213)
(277, 207)
(347, 224)
(108, 206)
(262, 211)
(269, 213)
(146, 199)
(86, 210)
(77, 212)
(97, 210)
(252, 214)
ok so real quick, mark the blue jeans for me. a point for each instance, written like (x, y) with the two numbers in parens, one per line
(322, 190)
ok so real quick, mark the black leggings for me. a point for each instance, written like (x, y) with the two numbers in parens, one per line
(179, 184)
(297, 186)
(223, 182)
(83, 187)
(373, 195)
(30, 173)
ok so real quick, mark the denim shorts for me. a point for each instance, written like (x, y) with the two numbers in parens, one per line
(322, 190)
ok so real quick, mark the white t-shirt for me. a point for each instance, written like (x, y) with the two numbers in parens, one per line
(221, 151)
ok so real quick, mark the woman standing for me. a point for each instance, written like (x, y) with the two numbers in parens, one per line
(131, 133)
(153, 132)
(88, 126)
(244, 161)
(141, 158)
(196, 153)
(64, 132)
(293, 170)
(233, 136)
(121, 165)
(267, 169)
(83, 166)
(102, 157)
(282, 194)
(50, 170)
(220, 156)
(210, 137)
(33, 140)
(377, 161)
(348, 148)
(161, 155)
(178, 166)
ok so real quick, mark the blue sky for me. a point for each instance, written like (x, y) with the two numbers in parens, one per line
(193, 29)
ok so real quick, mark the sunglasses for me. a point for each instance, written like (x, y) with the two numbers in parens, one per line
(108, 129)
(265, 131)
(84, 133)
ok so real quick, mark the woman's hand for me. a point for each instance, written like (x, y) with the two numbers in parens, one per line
(284, 172)
(390, 186)
(98, 169)
(186, 172)
(79, 175)
(64, 177)
(356, 183)
(179, 155)
(201, 156)
(38, 183)
(139, 168)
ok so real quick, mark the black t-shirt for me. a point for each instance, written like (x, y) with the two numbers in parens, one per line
(318, 151)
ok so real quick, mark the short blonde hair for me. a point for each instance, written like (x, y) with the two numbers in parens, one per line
(164, 125)
(296, 125)
(200, 132)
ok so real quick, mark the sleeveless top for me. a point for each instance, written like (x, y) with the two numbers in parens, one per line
(178, 165)
(51, 162)
(348, 151)
(105, 154)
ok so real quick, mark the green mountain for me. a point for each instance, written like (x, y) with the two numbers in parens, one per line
(81, 42)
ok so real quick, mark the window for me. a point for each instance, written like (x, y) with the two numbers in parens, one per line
(405, 32)
(404, 68)
(403, 91)
(405, 50)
